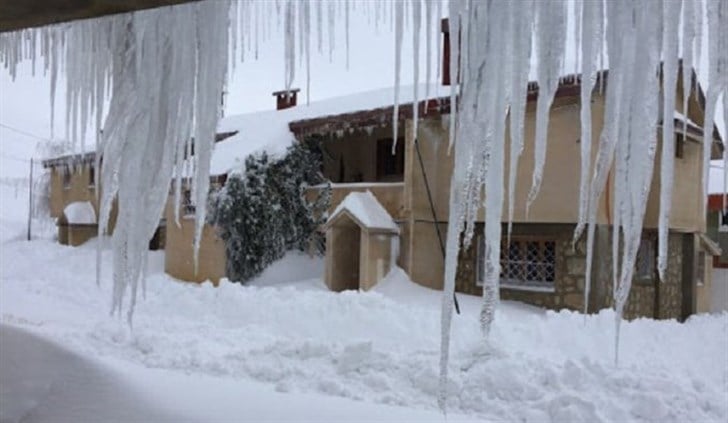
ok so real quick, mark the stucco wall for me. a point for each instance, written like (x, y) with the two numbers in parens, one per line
(376, 258)
(79, 189)
(178, 257)
(558, 199)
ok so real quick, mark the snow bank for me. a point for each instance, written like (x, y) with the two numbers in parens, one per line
(268, 131)
(310, 345)
(367, 209)
(80, 213)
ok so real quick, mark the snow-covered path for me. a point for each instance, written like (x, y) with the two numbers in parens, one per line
(285, 348)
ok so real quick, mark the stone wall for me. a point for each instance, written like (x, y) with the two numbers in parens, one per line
(652, 298)
(570, 270)
(648, 298)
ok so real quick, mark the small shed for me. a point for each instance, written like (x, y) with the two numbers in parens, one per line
(77, 224)
(362, 243)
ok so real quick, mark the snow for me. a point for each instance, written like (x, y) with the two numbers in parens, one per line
(285, 350)
(365, 207)
(80, 213)
(268, 131)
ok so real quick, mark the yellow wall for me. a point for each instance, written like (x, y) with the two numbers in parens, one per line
(558, 199)
(79, 189)
(178, 254)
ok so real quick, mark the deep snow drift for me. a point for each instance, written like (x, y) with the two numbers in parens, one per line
(378, 347)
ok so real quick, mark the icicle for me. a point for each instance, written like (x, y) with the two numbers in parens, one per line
(550, 25)
(416, 20)
(522, 27)
(319, 29)
(592, 15)
(717, 75)
(688, 38)
(438, 37)
(332, 29)
(428, 50)
(671, 13)
(454, 29)
(289, 25)
(398, 16)
(347, 6)
(578, 18)
(306, 41)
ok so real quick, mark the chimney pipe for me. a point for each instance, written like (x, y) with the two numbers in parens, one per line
(445, 29)
(286, 98)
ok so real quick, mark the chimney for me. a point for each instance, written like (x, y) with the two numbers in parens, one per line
(286, 98)
(445, 29)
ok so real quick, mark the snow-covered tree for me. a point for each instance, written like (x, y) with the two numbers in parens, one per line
(263, 212)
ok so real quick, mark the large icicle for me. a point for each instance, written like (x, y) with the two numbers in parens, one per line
(550, 41)
(592, 14)
(671, 15)
(398, 34)
(416, 20)
(521, 21)
(717, 76)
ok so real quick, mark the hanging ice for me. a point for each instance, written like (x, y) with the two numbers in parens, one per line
(671, 16)
(550, 43)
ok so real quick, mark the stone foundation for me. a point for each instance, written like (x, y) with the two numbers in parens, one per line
(648, 298)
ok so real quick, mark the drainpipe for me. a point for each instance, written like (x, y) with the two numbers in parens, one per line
(434, 215)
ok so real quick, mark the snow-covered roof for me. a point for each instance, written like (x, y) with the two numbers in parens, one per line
(366, 209)
(268, 130)
(80, 213)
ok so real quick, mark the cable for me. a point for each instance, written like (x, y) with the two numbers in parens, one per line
(20, 131)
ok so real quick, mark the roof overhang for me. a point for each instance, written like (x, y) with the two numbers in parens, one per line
(20, 14)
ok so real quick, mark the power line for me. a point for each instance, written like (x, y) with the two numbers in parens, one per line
(20, 159)
(20, 131)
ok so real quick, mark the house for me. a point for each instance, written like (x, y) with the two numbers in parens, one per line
(74, 200)
(73, 197)
(394, 208)
(717, 231)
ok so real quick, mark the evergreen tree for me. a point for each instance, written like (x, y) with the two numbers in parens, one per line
(263, 213)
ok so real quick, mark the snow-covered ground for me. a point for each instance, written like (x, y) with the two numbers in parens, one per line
(284, 348)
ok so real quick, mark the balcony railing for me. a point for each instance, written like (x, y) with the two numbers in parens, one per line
(389, 194)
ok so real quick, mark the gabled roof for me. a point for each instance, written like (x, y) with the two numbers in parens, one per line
(366, 211)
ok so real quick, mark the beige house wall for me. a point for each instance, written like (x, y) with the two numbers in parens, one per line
(558, 199)
(80, 188)
(375, 262)
(343, 252)
(179, 251)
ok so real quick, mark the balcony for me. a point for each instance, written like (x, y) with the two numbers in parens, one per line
(389, 194)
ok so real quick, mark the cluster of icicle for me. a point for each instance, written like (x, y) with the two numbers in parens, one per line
(642, 41)
(149, 85)
(164, 72)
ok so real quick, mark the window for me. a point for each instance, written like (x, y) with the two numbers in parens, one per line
(679, 146)
(188, 206)
(644, 266)
(66, 176)
(91, 176)
(390, 167)
(723, 221)
(527, 264)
